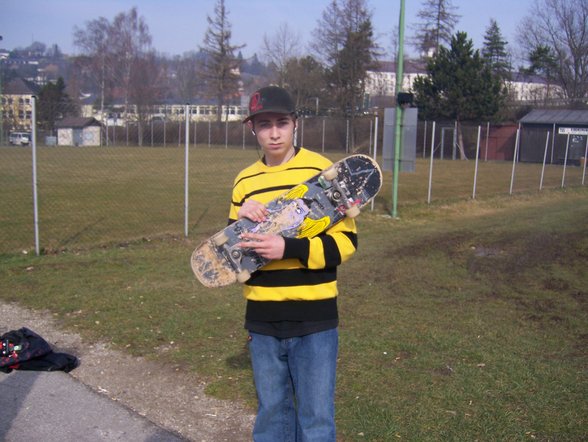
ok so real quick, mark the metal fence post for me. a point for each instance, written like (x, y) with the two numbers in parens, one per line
(477, 160)
(186, 169)
(585, 161)
(347, 137)
(227, 132)
(514, 161)
(431, 162)
(324, 121)
(544, 159)
(375, 148)
(563, 176)
(425, 140)
(35, 193)
(487, 138)
(302, 131)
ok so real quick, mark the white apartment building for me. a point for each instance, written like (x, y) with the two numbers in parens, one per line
(522, 88)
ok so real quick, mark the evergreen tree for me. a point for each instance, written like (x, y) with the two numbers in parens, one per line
(495, 52)
(54, 104)
(220, 65)
(542, 61)
(460, 86)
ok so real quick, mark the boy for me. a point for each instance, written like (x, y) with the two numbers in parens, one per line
(291, 312)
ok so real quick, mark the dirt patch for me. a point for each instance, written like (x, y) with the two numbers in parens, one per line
(168, 396)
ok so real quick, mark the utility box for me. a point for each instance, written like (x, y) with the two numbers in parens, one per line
(409, 137)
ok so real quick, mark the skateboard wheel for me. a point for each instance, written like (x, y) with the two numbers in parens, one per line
(220, 239)
(330, 173)
(324, 183)
(243, 276)
(352, 212)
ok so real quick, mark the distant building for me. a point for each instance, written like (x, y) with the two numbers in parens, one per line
(532, 89)
(522, 88)
(16, 102)
(172, 111)
(382, 81)
(78, 131)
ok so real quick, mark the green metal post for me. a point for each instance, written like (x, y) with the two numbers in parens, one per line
(398, 128)
(1, 107)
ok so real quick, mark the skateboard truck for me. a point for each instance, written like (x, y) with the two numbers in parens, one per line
(232, 255)
(338, 194)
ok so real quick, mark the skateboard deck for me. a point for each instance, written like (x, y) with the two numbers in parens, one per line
(304, 211)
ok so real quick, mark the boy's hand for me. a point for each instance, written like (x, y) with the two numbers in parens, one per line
(253, 210)
(266, 246)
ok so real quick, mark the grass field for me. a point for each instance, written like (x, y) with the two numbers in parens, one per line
(107, 195)
(463, 320)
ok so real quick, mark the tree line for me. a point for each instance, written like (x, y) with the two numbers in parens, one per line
(118, 62)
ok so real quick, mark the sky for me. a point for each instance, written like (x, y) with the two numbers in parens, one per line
(178, 26)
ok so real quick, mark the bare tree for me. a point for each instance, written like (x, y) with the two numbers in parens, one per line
(95, 56)
(305, 80)
(130, 42)
(437, 19)
(220, 67)
(280, 48)
(561, 26)
(145, 88)
(186, 80)
(110, 51)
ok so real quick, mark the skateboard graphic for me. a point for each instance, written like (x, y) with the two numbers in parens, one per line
(304, 211)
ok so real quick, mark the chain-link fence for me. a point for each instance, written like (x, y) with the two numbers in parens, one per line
(173, 178)
(166, 177)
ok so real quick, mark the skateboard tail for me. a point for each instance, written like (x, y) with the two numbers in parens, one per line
(210, 268)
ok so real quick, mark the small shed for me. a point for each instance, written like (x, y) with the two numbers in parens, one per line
(550, 133)
(78, 131)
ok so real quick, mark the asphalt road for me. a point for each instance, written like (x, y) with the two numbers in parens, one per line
(54, 406)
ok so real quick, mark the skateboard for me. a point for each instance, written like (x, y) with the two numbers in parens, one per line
(304, 211)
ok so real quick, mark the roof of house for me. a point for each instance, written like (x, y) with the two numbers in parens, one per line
(556, 116)
(18, 86)
(76, 122)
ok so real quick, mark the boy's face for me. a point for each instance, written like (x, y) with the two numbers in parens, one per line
(275, 133)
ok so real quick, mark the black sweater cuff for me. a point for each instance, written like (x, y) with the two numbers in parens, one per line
(297, 248)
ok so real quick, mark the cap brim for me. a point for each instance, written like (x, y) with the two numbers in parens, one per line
(268, 111)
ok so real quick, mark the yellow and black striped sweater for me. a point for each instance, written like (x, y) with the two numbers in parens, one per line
(303, 285)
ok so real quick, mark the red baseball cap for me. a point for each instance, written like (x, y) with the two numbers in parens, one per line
(270, 99)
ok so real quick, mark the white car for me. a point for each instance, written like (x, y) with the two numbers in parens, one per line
(20, 138)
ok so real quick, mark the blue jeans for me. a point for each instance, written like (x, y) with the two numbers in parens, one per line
(295, 383)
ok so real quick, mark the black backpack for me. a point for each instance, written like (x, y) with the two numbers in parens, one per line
(23, 349)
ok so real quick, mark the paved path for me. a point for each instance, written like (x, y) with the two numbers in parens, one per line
(51, 407)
